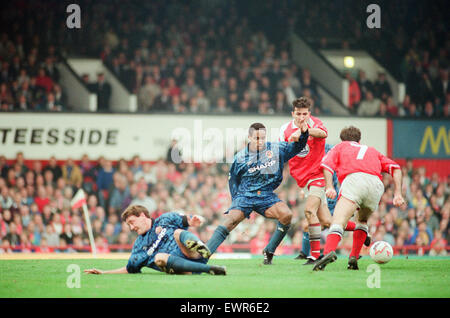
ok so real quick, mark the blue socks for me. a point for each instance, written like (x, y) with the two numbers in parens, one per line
(178, 265)
(306, 247)
(219, 235)
(277, 237)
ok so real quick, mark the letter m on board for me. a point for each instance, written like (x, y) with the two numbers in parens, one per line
(442, 137)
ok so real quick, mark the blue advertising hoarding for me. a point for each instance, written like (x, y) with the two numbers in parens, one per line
(428, 139)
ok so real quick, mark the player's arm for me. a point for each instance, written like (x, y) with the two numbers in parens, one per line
(329, 164)
(330, 191)
(233, 179)
(393, 168)
(398, 198)
(299, 138)
(180, 220)
(122, 270)
(318, 133)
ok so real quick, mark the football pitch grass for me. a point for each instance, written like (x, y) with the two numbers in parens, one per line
(248, 278)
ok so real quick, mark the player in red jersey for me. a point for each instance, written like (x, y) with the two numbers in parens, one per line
(359, 169)
(305, 169)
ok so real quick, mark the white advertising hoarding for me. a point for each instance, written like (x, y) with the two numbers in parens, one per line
(116, 136)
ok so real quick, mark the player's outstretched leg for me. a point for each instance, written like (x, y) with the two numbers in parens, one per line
(281, 212)
(172, 264)
(194, 244)
(232, 219)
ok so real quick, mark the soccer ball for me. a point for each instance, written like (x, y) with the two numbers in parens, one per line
(381, 252)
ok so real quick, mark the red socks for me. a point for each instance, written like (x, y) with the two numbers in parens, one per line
(350, 226)
(314, 239)
(359, 236)
(333, 240)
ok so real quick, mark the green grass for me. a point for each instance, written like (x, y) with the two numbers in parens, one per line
(418, 277)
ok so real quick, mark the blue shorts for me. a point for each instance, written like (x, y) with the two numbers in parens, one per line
(258, 203)
(331, 204)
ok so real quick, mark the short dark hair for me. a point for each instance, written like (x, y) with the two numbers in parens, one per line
(135, 210)
(350, 133)
(255, 127)
(302, 102)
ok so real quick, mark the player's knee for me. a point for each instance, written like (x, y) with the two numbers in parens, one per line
(177, 234)
(326, 223)
(231, 223)
(309, 214)
(285, 217)
(161, 260)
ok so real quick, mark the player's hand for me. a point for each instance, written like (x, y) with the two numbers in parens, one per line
(295, 136)
(196, 220)
(330, 193)
(398, 200)
(304, 127)
(93, 271)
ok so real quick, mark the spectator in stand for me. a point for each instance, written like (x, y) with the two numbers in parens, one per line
(383, 110)
(429, 111)
(54, 168)
(163, 101)
(148, 94)
(51, 104)
(60, 97)
(437, 246)
(392, 108)
(120, 191)
(370, 106)
(422, 232)
(71, 173)
(354, 93)
(215, 92)
(44, 81)
(382, 88)
(103, 91)
(441, 86)
(364, 84)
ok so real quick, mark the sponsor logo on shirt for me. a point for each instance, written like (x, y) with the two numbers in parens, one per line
(263, 166)
(304, 152)
(158, 240)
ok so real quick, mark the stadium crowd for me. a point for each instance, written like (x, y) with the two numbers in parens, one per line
(226, 59)
(36, 213)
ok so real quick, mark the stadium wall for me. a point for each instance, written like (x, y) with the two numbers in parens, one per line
(115, 136)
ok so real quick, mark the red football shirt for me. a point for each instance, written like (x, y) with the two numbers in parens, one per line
(350, 157)
(305, 166)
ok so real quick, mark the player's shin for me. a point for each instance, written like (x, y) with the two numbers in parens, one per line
(277, 237)
(176, 265)
(333, 238)
(194, 244)
(314, 239)
(219, 235)
(306, 248)
(359, 236)
(186, 236)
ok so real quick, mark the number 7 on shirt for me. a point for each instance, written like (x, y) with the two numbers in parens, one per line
(362, 150)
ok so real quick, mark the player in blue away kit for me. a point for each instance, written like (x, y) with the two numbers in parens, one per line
(331, 204)
(255, 173)
(165, 245)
